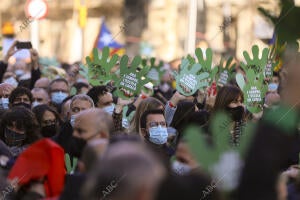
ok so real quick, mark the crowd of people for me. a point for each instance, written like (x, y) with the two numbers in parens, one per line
(95, 145)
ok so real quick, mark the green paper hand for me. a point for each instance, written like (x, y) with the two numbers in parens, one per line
(99, 70)
(188, 81)
(257, 64)
(70, 168)
(225, 74)
(155, 74)
(208, 155)
(132, 78)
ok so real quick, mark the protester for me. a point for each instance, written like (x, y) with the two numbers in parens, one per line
(48, 120)
(40, 96)
(58, 90)
(21, 96)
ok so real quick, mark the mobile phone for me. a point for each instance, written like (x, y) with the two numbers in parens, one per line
(23, 45)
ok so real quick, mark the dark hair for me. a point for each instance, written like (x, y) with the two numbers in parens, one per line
(41, 109)
(143, 120)
(97, 91)
(19, 91)
(24, 119)
(78, 86)
(226, 95)
(57, 80)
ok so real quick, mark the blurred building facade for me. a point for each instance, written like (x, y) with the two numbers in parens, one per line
(227, 26)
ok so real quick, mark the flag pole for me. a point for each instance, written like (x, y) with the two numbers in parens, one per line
(192, 23)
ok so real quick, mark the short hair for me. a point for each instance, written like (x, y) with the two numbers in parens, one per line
(19, 91)
(40, 89)
(57, 80)
(97, 91)
(79, 85)
(143, 120)
(82, 97)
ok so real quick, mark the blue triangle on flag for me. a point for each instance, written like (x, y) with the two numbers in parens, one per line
(106, 38)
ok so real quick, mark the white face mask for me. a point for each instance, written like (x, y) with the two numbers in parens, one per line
(109, 109)
(19, 72)
(72, 120)
(12, 81)
(180, 168)
(35, 103)
(164, 87)
(4, 103)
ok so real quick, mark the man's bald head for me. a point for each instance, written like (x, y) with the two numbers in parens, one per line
(93, 123)
(42, 83)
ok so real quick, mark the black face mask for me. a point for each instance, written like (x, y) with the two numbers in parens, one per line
(236, 113)
(49, 131)
(77, 146)
(13, 138)
(26, 105)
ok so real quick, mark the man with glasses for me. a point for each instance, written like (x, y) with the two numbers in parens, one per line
(154, 127)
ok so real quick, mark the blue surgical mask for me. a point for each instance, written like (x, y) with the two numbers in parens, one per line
(158, 135)
(4, 103)
(180, 167)
(19, 72)
(72, 120)
(273, 86)
(12, 81)
(109, 109)
(58, 97)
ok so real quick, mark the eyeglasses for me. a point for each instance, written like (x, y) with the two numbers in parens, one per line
(155, 124)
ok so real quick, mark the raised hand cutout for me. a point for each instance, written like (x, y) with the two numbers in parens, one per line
(225, 73)
(254, 88)
(99, 70)
(132, 77)
(188, 81)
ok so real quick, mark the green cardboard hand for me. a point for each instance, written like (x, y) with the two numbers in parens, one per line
(155, 73)
(99, 70)
(225, 73)
(131, 79)
(209, 155)
(188, 81)
(70, 168)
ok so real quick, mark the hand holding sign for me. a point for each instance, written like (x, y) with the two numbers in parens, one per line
(100, 68)
(131, 79)
(155, 74)
(188, 81)
(225, 73)
(255, 88)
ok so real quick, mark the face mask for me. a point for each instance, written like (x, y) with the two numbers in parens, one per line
(19, 72)
(109, 109)
(4, 103)
(77, 146)
(49, 131)
(35, 103)
(273, 87)
(12, 81)
(26, 105)
(158, 135)
(13, 138)
(164, 87)
(180, 168)
(236, 113)
(72, 120)
(58, 97)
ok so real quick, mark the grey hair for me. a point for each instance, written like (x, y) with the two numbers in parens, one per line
(82, 97)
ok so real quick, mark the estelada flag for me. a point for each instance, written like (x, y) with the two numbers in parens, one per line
(105, 38)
